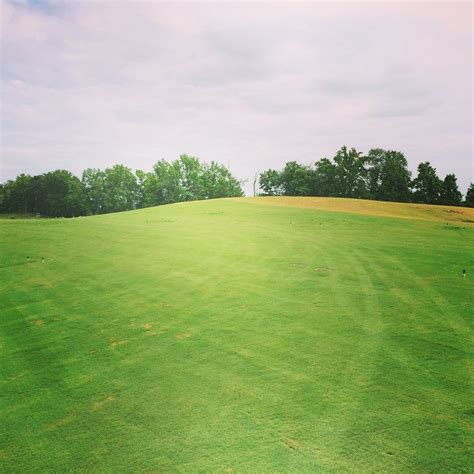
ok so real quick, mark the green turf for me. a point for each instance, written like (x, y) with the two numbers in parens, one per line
(233, 336)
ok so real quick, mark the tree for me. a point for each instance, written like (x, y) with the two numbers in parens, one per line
(93, 182)
(191, 178)
(120, 189)
(59, 193)
(188, 179)
(168, 182)
(350, 173)
(7, 196)
(323, 181)
(427, 185)
(64, 195)
(217, 182)
(3, 207)
(269, 183)
(375, 160)
(450, 194)
(18, 194)
(388, 175)
(295, 179)
(147, 189)
(76, 202)
(37, 193)
(469, 201)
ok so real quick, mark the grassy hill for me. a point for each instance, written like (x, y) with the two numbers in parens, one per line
(267, 334)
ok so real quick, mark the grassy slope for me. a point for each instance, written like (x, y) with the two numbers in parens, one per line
(374, 208)
(236, 334)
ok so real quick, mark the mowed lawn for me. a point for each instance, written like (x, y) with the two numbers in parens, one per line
(239, 335)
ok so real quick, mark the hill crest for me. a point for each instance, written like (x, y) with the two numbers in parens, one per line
(369, 207)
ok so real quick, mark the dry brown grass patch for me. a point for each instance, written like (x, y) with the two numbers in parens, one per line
(63, 421)
(185, 335)
(431, 212)
(117, 342)
(290, 443)
(100, 404)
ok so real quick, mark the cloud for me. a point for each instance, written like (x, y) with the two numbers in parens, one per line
(92, 84)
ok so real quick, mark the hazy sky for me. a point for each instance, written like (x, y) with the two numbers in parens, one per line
(251, 85)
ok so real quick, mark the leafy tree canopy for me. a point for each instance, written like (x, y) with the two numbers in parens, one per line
(118, 188)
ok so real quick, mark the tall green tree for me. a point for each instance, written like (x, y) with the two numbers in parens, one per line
(168, 182)
(450, 194)
(323, 181)
(147, 188)
(270, 183)
(217, 182)
(64, 194)
(18, 193)
(24, 194)
(190, 178)
(93, 182)
(469, 200)
(295, 179)
(121, 189)
(375, 160)
(8, 201)
(388, 176)
(427, 186)
(350, 173)
(37, 194)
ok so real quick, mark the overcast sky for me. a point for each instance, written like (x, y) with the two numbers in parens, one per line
(92, 84)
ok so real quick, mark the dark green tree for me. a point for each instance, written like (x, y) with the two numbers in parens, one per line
(427, 186)
(18, 194)
(120, 189)
(469, 200)
(64, 195)
(295, 179)
(8, 202)
(388, 176)
(3, 207)
(323, 182)
(450, 194)
(37, 194)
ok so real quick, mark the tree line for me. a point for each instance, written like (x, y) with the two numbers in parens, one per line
(380, 174)
(59, 193)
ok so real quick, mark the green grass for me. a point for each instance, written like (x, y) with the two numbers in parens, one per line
(236, 335)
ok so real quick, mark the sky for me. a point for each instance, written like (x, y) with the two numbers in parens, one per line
(250, 85)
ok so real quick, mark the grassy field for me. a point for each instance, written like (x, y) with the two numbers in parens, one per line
(239, 335)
